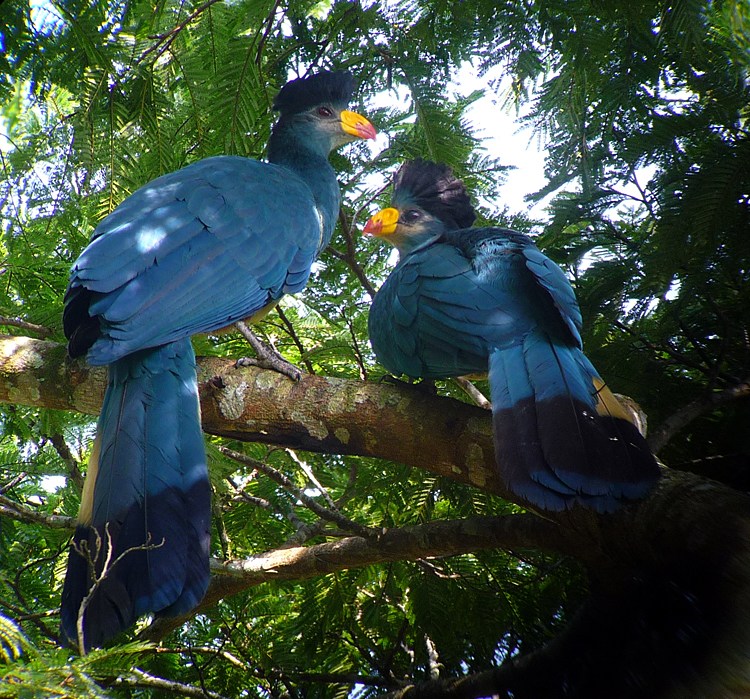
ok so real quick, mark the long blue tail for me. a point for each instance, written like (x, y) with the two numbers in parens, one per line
(146, 508)
(560, 435)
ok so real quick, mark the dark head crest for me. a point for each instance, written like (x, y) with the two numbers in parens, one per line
(324, 88)
(432, 187)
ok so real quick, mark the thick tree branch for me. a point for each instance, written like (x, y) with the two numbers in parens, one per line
(317, 413)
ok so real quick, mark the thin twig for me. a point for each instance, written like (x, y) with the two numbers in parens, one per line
(266, 33)
(355, 346)
(13, 482)
(224, 541)
(241, 496)
(282, 480)
(143, 679)
(171, 35)
(82, 548)
(350, 258)
(295, 339)
(309, 473)
(677, 356)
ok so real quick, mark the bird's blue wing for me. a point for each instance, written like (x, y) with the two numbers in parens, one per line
(436, 317)
(196, 250)
(551, 278)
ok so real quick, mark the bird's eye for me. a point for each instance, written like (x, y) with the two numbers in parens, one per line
(412, 215)
(324, 112)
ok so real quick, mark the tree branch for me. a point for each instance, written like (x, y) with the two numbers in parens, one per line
(63, 451)
(318, 413)
(21, 513)
(295, 339)
(284, 482)
(350, 256)
(23, 325)
(168, 37)
(449, 538)
(139, 678)
(473, 392)
(661, 436)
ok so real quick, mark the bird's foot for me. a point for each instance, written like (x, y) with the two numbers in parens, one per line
(268, 358)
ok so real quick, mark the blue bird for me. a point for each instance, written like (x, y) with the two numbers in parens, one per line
(464, 301)
(194, 251)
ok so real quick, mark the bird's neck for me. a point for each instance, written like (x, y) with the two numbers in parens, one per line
(407, 244)
(308, 160)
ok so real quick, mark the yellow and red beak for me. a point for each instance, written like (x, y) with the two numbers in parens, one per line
(382, 223)
(356, 125)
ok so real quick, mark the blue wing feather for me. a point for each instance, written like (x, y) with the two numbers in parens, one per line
(175, 246)
(482, 299)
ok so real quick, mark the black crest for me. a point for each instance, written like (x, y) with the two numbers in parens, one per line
(432, 187)
(324, 88)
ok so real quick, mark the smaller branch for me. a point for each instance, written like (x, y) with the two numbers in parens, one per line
(357, 351)
(350, 256)
(473, 392)
(282, 480)
(321, 526)
(266, 33)
(661, 436)
(21, 513)
(139, 678)
(295, 339)
(63, 451)
(224, 541)
(84, 550)
(302, 529)
(12, 483)
(343, 678)
(367, 203)
(309, 473)
(440, 538)
(433, 660)
(168, 38)
(31, 327)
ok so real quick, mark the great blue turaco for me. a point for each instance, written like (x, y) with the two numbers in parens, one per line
(465, 300)
(216, 242)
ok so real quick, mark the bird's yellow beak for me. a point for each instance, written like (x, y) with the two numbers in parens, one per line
(356, 125)
(383, 223)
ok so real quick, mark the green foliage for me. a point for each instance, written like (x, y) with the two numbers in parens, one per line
(643, 107)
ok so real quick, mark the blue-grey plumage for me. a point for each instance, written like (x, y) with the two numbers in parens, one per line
(193, 251)
(474, 300)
